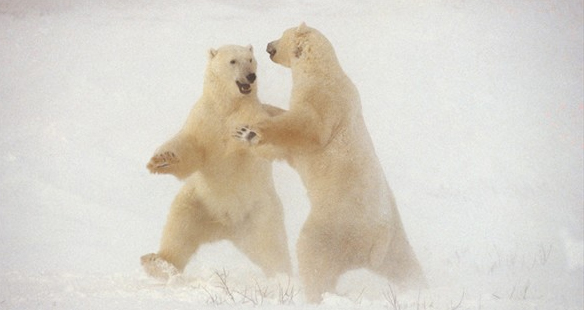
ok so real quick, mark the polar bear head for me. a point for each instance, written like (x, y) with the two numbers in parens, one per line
(301, 43)
(233, 67)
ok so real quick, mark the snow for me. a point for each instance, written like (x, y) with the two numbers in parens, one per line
(475, 109)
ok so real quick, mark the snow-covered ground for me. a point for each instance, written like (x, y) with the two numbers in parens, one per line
(475, 108)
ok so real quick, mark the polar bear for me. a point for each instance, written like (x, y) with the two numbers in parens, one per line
(228, 192)
(353, 222)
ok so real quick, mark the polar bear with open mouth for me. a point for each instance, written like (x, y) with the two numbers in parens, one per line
(228, 192)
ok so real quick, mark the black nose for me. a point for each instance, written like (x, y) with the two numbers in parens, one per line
(251, 77)
(271, 49)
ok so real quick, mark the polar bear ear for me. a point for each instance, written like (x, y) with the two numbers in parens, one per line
(250, 48)
(302, 28)
(212, 53)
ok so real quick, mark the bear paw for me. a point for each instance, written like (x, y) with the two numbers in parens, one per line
(244, 133)
(159, 268)
(161, 163)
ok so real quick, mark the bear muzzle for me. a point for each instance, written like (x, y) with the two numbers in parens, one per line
(271, 49)
(251, 77)
(245, 88)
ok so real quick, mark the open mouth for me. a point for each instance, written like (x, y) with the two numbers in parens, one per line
(243, 88)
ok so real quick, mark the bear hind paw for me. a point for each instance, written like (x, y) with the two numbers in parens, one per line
(158, 267)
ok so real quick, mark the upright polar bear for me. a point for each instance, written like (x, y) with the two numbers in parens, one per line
(354, 221)
(228, 193)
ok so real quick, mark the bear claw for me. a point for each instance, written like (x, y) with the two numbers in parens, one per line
(162, 161)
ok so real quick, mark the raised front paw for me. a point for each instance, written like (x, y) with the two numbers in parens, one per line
(162, 163)
(245, 133)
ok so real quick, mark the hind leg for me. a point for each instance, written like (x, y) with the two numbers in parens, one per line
(263, 239)
(187, 227)
(319, 265)
(400, 265)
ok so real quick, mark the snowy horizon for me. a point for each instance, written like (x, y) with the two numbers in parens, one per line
(475, 109)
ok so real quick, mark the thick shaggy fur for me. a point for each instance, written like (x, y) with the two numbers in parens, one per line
(229, 192)
(354, 221)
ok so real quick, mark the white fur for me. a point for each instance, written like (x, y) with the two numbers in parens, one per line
(229, 192)
(354, 221)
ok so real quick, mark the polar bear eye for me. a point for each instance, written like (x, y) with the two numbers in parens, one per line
(232, 61)
(250, 60)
